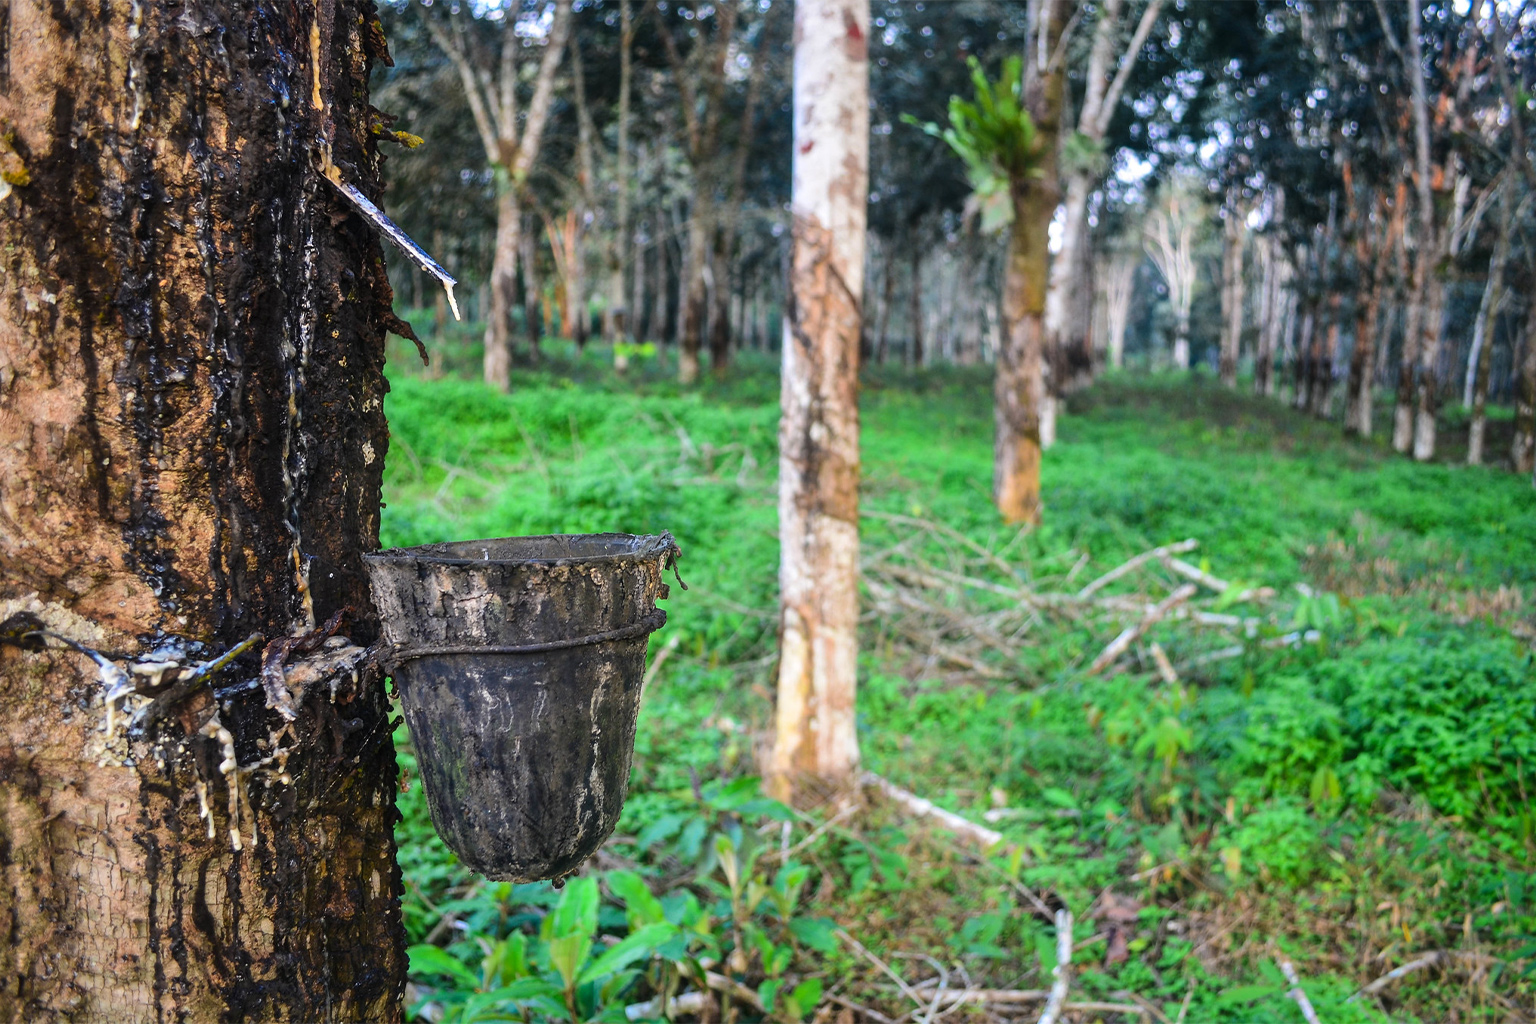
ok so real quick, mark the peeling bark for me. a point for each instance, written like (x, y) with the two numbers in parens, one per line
(191, 445)
(815, 743)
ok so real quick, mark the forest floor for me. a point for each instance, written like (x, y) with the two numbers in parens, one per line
(1314, 761)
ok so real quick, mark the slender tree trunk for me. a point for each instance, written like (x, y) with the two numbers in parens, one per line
(1357, 410)
(1428, 404)
(1423, 329)
(1019, 387)
(1487, 324)
(616, 324)
(1322, 389)
(815, 743)
(888, 282)
(191, 448)
(915, 307)
(533, 292)
(1522, 450)
(1020, 391)
(1232, 293)
(695, 311)
(498, 325)
(720, 322)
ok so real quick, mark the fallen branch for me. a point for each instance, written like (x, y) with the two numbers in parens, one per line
(1132, 633)
(1146, 1004)
(1439, 956)
(688, 1002)
(1062, 972)
(736, 990)
(883, 966)
(920, 808)
(1135, 563)
(1197, 574)
(1296, 992)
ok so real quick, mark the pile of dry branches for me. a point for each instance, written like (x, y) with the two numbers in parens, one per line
(949, 599)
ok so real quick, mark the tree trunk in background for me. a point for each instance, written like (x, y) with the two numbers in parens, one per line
(1101, 97)
(695, 311)
(1480, 359)
(1357, 400)
(1428, 404)
(1231, 296)
(1522, 450)
(1019, 391)
(1322, 390)
(533, 292)
(815, 744)
(915, 308)
(1421, 323)
(1119, 289)
(498, 323)
(617, 323)
(191, 446)
(888, 283)
(720, 294)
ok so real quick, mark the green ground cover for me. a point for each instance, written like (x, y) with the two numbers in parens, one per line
(1347, 802)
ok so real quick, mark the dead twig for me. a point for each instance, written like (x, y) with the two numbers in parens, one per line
(1135, 632)
(1439, 956)
(886, 968)
(920, 808)
(1062, 972)
(1146, 1004)
(1135, 563)
(1296, 992)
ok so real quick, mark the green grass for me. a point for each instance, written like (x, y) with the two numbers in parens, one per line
(1345, 804)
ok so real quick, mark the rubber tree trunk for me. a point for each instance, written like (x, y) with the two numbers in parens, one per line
(191, 445)
(1232, 295)
(498, 324)
(1427, 405)
(1360, 393)
(1019, 386)
(533, 291)
(695, 311)
(1522, 450)
(1480, 360)
(815, 743)
(915, 308)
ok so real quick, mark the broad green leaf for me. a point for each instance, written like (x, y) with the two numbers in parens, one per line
(428, 959)
(641, 907)
(819, 933)
(566, 955)
(638, 945)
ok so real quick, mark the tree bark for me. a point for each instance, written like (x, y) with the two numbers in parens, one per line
(1100, 100)
(533, 291)
(887, 286)
(191, 447)
(1421, 323)
(617, 324)
(1019, 387)
(1487, 324)
(511, 148)
(915, 308)
(1232, 297)
(1522, 450)
(815, 744)
(695, 311)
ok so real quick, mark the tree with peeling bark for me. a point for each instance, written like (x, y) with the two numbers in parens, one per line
(191, 446)
(815, 742)
(511, 142)
(1170, 245)
(1234, 240)
(1111, 59)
